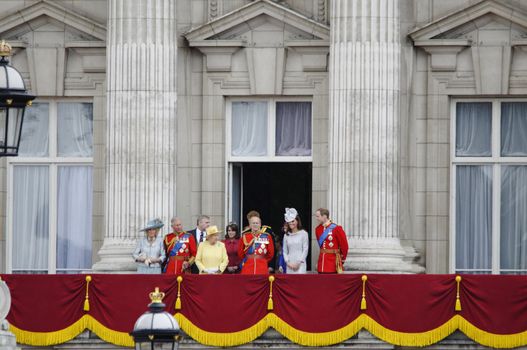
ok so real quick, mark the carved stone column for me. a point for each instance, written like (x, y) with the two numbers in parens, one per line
(364, 132)
(141, 124)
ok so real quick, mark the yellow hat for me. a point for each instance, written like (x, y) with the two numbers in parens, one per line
(212, 230)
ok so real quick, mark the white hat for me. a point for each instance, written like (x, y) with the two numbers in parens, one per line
(290, 214)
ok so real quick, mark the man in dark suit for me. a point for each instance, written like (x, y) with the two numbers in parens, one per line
(200, 235)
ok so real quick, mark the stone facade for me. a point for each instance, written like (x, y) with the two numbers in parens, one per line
(381, 76)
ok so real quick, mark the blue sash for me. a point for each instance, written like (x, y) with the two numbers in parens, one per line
(177, 246)
(173, 252)
(253, 247)
(325, 234)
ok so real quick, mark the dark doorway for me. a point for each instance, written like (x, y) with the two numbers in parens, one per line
(269, 188)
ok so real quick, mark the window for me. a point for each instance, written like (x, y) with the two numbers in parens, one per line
(489, 183)
(50, 190)
(270, 129)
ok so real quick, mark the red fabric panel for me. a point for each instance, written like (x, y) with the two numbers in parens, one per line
(411, 303)
(117, 301)
(45, 303)
(317, 303)
(496, 304)
(225, 303)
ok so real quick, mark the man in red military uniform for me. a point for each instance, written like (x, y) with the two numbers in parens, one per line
(180, 248)
(256, 249)
(264, 229)
(333, 244)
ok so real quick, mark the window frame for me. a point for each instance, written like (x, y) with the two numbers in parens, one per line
(496, 161)
(271, 130)
(53, 162)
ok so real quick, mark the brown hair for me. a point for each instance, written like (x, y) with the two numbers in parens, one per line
(234, 227)
(298, 224)
(323, 212)
(252, 214)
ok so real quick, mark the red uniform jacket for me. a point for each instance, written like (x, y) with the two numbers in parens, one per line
(256, 250)
(336, 240)
(179, 248)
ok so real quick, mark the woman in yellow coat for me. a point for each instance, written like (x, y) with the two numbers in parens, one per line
(212, 255)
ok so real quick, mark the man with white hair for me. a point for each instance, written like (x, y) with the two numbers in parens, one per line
(180, 247)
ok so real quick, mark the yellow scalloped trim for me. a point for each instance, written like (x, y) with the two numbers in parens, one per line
(223, 339)
(315, 339)
(398, 338)
(297, 336)
(68, 333)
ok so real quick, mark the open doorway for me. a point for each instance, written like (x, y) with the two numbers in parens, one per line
(269, 188)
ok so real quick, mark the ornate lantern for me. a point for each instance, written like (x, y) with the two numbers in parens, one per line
(13, 101)
(156, 326)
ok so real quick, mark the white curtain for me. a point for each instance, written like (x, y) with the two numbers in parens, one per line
(75, 129)
(513, 242)
(514, 129)
(30, 218)
(249, 129)
(293, 129)
(74, 217)
(473, 129)
(473, 217)
(34, 141)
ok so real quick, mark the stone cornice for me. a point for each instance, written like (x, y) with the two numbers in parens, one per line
(58, 13)
(467, 15)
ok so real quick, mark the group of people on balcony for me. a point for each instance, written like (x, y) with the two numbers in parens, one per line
(256, 250)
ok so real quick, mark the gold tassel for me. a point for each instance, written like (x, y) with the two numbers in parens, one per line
(458, 301)
(178, 300)
(363, 300)
(87, 298)
(270, 304)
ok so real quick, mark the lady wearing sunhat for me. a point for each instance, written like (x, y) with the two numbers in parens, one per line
(149, 253)
(212, 255)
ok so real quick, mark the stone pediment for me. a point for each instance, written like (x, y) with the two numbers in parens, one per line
(48, 16)
(261, 23)
(265, 30)
(463, 26)
(45, 33)
(489, 29)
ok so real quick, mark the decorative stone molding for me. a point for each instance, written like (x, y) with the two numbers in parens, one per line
(441, 27)
(490, 28)
(214, 10)
(443, 53)
(314, 58)
(264, 51)
(79, 32)
(260, 62)
(219, 55)
(93, 56)
(321, 10)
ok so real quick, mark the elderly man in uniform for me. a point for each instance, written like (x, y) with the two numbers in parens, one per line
(180, 247)
(256, 248)
(265, 229)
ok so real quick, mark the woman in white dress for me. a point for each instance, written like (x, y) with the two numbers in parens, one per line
(296, 243)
